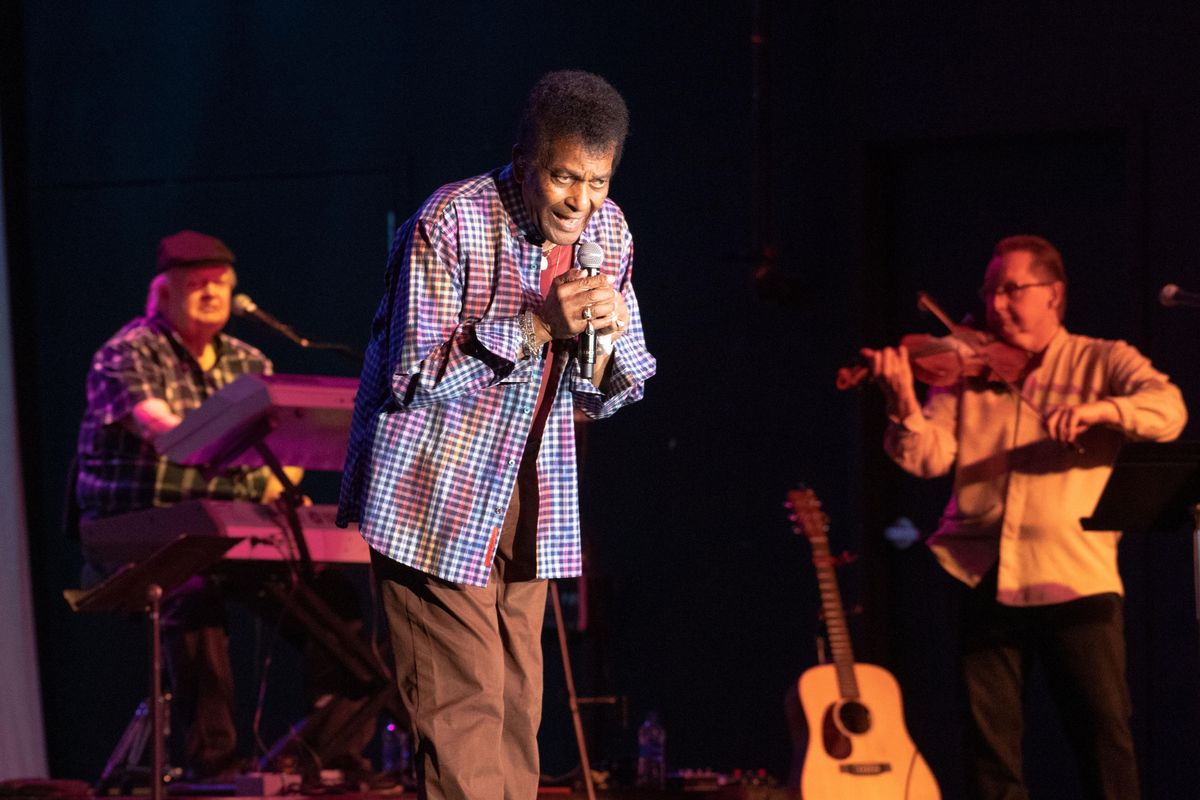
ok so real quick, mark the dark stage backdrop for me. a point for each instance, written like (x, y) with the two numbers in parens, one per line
(904, 145)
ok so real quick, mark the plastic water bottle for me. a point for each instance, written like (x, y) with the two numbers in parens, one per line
(652, 753)
(396, 756)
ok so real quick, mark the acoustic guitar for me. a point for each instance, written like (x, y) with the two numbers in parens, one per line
(858, 747)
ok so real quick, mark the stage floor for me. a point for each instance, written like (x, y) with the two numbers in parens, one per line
(78, 790)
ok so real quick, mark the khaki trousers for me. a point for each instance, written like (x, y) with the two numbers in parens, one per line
(469, 668)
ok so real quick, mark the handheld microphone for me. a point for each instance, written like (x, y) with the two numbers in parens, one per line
(243, 306)
(590, 257)
(1171, 295)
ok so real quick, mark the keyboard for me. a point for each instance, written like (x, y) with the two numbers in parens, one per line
(304, 420)
(263, 529)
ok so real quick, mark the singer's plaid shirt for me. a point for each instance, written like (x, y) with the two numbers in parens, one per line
(120, 471)
(445, 403)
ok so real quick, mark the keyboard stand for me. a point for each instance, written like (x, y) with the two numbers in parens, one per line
(300, 421)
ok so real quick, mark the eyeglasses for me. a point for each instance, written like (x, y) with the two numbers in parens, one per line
(1010, 290)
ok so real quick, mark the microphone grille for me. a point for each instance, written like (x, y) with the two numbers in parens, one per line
(1166, 296)
(242, 304)
(590, 256)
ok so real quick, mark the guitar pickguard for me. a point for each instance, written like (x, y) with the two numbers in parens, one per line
(837, 743)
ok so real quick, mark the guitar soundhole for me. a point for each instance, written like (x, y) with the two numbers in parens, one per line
(855, 717)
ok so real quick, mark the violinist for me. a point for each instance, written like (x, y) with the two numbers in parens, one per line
(1031, 453)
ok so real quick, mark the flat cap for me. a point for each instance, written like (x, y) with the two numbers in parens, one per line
(191, 249)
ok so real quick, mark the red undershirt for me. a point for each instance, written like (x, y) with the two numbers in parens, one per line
(524, 516)
(558, 261)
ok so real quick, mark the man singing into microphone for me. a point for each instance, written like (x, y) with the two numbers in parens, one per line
(1030, 458)
(461, 464)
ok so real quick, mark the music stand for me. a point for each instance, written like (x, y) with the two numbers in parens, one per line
(141, 587)
(1153, 485)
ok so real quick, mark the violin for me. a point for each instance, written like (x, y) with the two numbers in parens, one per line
(964, 352)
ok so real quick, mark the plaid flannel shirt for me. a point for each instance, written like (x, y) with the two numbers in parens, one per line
(446, 399)
(118, 470)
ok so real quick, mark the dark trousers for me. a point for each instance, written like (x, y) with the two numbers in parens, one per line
(1080, 646)
(196, 648)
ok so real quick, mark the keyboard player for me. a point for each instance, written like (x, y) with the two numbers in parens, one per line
(145, 379)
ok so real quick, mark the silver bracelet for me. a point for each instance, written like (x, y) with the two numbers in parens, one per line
(529, 343)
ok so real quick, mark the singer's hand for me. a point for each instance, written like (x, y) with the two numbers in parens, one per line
(570, 294)
(616, 323)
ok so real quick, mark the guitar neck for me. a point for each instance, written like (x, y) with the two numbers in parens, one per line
(835, 616)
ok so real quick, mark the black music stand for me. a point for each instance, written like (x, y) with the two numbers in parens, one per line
(1153, 485)
(141, 587)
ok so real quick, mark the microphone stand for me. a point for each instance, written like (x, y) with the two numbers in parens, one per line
(308, 344)
(341, 349)
(572, 699)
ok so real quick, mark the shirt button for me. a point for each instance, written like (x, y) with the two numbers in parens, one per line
(499, 511)
(511, 462)
(526, 409)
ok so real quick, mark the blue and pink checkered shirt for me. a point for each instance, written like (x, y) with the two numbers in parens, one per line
(446, 400)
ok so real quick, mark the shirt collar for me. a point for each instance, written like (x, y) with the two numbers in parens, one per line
(1048, 354)
(1056, 342)
(514, 204)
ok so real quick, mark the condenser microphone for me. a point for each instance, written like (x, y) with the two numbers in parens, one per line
(590, 257)
(1172, 295)
(243, 306)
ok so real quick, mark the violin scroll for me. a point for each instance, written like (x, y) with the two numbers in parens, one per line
(852, 375)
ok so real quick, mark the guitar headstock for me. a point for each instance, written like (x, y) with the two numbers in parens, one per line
(806, 514)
